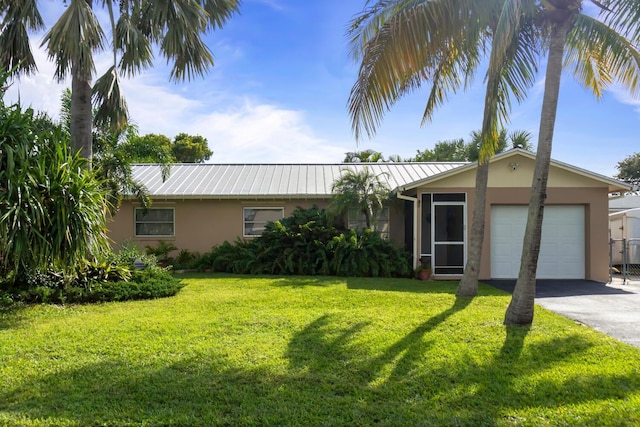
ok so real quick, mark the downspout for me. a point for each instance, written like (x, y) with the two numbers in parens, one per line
(416, 258)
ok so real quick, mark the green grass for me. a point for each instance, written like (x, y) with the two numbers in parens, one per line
(235, 350)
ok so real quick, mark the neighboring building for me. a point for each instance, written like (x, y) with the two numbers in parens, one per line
(202, 205)
(623, 203)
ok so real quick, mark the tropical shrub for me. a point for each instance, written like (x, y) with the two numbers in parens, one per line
(307, 243)
(52, 207)
(161, 251)
(185, 260)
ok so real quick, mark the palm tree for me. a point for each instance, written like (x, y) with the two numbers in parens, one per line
(136, 25)
(600, 50)
(364, 156)
(506, 141)
(402, 44)
(362, 190)
(114, 151)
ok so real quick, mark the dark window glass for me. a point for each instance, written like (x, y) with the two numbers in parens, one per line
(425, 224)
(449, 256)
(154, 222)
(449, 223)
(449, 197)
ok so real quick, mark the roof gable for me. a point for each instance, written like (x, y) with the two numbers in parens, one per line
(514, 168)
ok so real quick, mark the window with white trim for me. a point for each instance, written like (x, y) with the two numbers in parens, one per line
(357, 221)
(155, 222)
(255, 219)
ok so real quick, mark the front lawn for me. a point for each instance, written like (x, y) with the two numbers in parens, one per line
(237, 350)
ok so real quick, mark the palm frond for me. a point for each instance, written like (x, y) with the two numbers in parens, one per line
(600, 56)
(134, 45)
(219, 11)
(16, 52)
(73, 39)
(403, 43)
(111, 108)
(17, 18)
(623, 16)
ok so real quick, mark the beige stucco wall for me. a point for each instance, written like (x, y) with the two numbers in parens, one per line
(509, 186)
(201, 224)
(503, 174)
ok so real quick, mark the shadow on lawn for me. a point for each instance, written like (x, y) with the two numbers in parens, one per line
(331, 378)
(11, 317)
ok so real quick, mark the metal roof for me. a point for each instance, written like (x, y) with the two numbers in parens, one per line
(233, 181)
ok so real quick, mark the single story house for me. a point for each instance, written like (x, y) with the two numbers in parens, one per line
(202, 205)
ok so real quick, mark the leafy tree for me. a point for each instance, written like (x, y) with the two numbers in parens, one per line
(403, 43)
(444, 151)
(190, 148)
(149, 148)
(362, 190)
(629, 169)
(175, 28)
(600, 51)
(52, 209)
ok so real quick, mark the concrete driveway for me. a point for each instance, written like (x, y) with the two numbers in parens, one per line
(613, 309)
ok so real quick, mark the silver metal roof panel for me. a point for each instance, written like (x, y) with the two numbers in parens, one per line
(206, 180)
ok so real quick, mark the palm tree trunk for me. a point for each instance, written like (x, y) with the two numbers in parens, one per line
(81, 112)
(520, 310)
(81, 115)
(468, 286)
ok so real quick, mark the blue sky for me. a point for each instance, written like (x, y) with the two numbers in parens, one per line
(279, 89)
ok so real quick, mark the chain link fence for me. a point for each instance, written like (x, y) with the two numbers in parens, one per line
(624, 259)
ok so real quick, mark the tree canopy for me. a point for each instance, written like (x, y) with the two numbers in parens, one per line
(138, 27)
(629, 169)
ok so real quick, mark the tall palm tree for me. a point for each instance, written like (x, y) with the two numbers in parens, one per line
(362, 190)
(404, 43)
(600, 51)
(175, 27)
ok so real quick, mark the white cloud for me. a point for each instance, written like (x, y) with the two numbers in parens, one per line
(239, 130)
(622, 95)
(261, 133)
(40, 91)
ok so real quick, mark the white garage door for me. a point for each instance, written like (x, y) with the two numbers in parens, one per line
(562, 248)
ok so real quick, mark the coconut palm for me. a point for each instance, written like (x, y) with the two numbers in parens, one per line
(175, 27)
(362, 190)
(403, 44)
(599, 50)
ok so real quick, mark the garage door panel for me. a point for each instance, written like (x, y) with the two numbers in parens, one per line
(562, 248)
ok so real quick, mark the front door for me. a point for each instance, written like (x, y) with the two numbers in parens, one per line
(448, 233)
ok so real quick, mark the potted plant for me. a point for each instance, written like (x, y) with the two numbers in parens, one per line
(423, 273)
